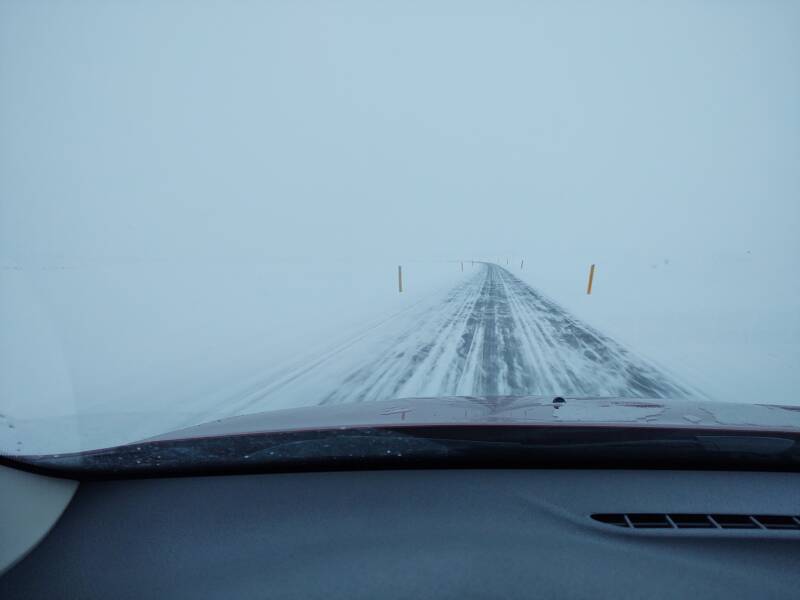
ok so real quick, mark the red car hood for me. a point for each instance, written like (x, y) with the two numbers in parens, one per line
(534, 411)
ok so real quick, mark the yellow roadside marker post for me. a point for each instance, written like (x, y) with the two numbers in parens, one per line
(591, 279)
(400, 279)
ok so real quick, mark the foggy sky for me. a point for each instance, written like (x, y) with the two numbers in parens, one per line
(418, 129)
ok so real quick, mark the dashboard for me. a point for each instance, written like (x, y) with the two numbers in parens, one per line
(469, 533)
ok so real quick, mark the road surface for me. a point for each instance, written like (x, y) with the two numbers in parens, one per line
(492, 334)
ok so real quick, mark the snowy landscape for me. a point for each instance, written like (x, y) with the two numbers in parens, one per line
(105, 355)
(210, 223)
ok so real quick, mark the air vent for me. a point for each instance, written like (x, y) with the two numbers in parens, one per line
(698, 521)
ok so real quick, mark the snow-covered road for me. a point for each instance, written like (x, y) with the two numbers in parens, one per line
(491, 334)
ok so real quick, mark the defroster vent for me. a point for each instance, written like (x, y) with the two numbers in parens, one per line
(698, 521)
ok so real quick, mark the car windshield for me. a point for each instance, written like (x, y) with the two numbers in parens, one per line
(213, 210)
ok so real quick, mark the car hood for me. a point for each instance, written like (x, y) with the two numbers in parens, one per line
(533, 411)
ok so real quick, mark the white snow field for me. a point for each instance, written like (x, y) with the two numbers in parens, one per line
(726, 320)
(94, 354)
(100, 355)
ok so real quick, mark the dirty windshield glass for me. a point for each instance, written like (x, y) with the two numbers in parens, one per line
(218, 209)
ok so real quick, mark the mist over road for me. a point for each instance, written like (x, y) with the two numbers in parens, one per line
(491, 334)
